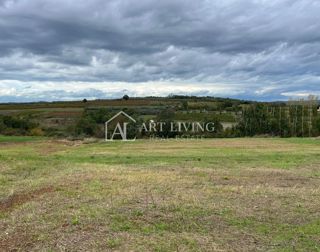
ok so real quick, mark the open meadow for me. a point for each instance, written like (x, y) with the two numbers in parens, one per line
(250, 194)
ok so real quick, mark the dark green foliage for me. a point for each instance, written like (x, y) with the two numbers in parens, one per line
(317, 124)
(298, 120)
(98, 115)
(86, 126)
(185, 105)
(2, 126)
(218, 129)
(92, 123)
(11, 125)
(166, 116)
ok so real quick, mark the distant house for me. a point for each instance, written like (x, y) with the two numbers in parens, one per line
(318, 108)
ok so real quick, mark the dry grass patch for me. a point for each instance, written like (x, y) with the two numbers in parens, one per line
(160, 196)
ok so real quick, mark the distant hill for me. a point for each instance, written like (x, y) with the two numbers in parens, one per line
(62, 117)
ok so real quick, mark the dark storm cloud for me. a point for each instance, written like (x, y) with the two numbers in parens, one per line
(262, 49)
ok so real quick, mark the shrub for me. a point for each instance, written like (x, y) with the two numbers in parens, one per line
(36, 132)
(11, 125)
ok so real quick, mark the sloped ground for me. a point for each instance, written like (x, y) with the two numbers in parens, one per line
(209, 195)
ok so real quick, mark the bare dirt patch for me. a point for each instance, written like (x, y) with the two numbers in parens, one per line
(21, 240)
(18, 199)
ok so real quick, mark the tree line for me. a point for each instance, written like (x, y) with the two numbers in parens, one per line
(292, 119)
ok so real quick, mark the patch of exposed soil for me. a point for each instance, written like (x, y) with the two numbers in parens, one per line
(21, 240)
(18, 199)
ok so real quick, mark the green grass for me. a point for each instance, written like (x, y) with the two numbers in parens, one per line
(211, 195)
(18, 139)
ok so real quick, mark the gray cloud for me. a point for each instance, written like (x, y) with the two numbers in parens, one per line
(256, 49)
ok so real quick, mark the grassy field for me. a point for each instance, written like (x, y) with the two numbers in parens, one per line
(206, 195)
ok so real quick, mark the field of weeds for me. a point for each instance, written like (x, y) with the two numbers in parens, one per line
(207, 195)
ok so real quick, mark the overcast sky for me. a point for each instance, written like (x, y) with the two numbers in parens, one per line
(75, 49)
